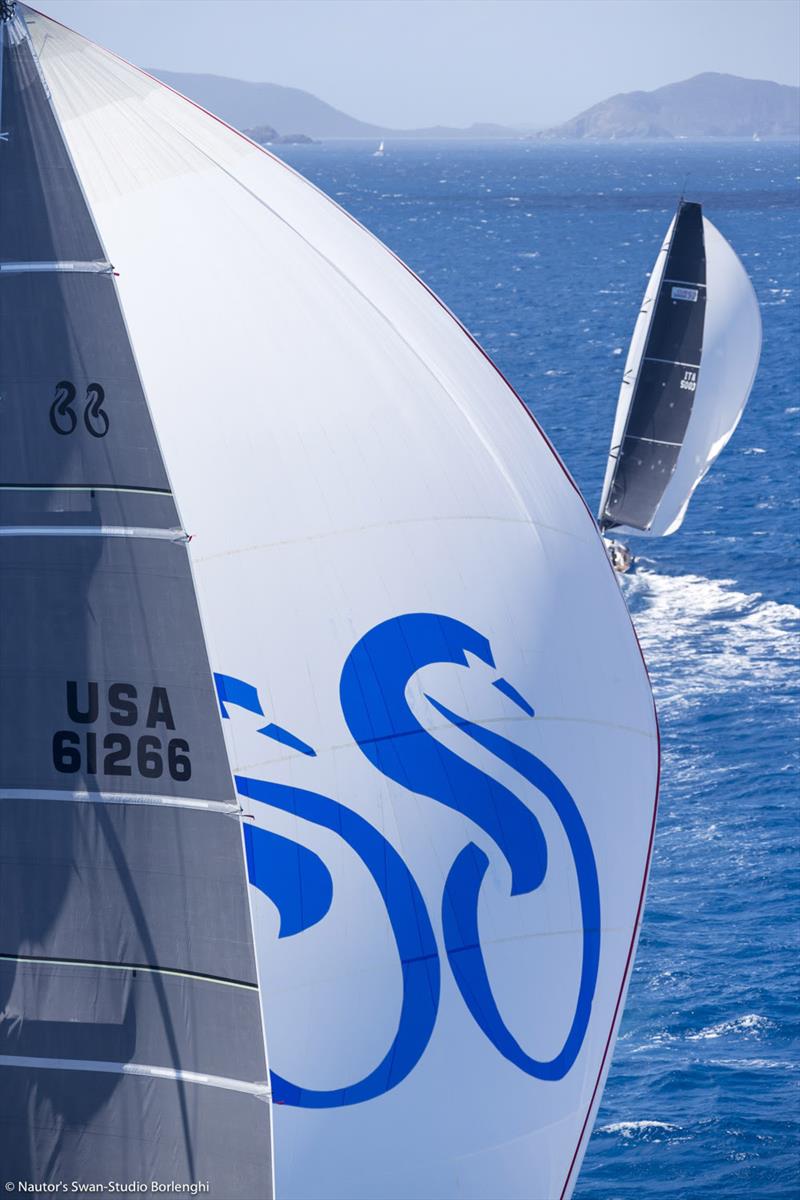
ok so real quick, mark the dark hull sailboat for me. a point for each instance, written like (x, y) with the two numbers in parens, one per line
(689, 372)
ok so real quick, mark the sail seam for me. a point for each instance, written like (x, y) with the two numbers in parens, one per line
(147, 968)
(117, 798)
(260, 1090)
(684, 283)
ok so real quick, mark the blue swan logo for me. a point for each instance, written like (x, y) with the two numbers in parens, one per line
(372, 695)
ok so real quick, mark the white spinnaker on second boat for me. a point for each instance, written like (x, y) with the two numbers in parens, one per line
(393, 566)
(731, 351)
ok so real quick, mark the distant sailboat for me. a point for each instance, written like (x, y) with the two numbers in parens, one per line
(379, 152)
(689, 371)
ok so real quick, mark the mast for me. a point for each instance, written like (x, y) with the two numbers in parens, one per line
(131, 1044)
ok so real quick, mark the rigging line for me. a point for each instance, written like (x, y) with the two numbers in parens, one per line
(118, 798)
(259, 1090)
(3, 22)
(147, 968)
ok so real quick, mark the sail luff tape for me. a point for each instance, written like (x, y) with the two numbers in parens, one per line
(260, 1090)
(67, 265)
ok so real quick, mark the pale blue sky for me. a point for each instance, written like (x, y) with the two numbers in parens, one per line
(408, 63)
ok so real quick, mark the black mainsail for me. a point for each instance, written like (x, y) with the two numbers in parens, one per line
(131, 1045)
(664, 387)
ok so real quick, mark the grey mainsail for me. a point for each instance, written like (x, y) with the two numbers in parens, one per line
(131, 1045)
(665, 383)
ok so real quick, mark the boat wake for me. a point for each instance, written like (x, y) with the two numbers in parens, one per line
(702, 635)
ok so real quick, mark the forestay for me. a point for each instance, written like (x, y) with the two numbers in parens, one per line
(689, 371)
(131, 1043)
(438, 715)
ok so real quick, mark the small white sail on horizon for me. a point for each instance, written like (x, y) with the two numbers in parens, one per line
(379, 153)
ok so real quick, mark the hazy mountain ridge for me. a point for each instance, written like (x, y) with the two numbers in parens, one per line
(705, 106)
(247, 105)
(708, 105)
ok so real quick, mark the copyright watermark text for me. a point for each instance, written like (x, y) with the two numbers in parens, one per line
(111, 1186)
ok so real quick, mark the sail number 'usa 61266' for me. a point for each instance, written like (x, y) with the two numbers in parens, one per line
(151, 753)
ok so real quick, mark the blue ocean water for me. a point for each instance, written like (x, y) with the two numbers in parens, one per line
(542, 251)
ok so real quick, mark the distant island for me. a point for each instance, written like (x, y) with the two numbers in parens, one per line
(265, 135)
(707, 106)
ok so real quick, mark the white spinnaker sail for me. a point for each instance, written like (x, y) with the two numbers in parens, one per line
(395, 573)
(731, 351)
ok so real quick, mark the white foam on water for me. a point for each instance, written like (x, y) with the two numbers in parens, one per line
(702, 635)
(629, 1129)
(751, 1024)
(754, 1064)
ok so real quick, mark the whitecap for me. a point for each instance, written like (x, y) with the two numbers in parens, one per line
(751, 1023)
(629, 1129)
